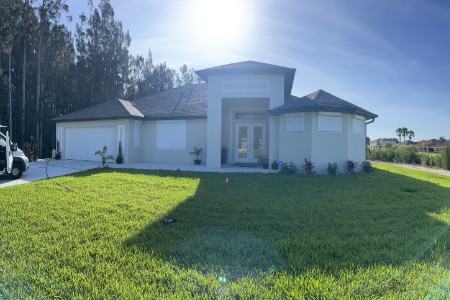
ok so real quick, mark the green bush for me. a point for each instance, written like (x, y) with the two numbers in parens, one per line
(407, 154)
(430, 159)
(445, 156)
(332, 168)
(288, 168)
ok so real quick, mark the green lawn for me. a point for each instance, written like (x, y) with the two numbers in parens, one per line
(99, 235)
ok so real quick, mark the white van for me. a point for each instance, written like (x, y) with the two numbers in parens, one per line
(13, 161)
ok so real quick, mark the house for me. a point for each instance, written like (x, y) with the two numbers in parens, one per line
(382, 142)
(246, 107)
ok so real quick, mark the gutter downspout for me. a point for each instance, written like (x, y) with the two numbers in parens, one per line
(371, 121)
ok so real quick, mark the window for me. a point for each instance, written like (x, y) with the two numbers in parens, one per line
(171, 135)
(358, 125)
(295, 123)
(329, 122)
(137, 133)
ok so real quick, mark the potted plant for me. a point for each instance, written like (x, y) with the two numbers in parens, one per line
(58, 150)
(224, 155)
(197, 152)
(264, 162)
(119, 158)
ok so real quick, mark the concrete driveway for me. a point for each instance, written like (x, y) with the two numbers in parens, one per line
(40, 169)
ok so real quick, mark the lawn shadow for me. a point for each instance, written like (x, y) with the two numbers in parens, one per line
(259, 222)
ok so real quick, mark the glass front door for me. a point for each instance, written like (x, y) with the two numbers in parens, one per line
(250, 142)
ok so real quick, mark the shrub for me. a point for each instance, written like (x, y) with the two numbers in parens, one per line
(223, 155)
(288, 168)
(274, 165)
(445, 156)
(366, 166)
(308, 167)
(332, 169)
(350, 166)
(264, 162)
(407, 154)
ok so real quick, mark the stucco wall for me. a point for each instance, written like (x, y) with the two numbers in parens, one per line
(321, 147)
(247, 86)
(195, 137)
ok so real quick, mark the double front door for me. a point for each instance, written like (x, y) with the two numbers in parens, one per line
(250, 142)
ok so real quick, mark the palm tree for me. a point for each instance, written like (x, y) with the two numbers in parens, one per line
(442, 140)
(410, 134)
(399, 133)
(404, 133)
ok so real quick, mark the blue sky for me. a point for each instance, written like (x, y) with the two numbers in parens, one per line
(389, 57)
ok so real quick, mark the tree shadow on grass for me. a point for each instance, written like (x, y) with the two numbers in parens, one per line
(260, 222)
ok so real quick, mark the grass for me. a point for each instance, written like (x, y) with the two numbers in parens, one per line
(99, 235)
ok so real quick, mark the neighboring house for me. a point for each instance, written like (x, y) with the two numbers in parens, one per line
(246, 107)
(380, 143)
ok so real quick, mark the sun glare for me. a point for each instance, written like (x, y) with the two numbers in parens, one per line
(219, 22)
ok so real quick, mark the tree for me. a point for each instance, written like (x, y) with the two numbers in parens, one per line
(103, 59)
(442, 140)
(404, 133)
(399, 133)
(187, 76)
(410, 134)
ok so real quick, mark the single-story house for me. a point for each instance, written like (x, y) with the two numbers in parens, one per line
(246, 107)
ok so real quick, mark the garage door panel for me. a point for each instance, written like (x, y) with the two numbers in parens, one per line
(82, 143)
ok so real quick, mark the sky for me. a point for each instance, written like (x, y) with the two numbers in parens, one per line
(389, 57)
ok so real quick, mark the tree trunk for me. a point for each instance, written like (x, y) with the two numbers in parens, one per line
(10, 97)
(38, 90)
(24, 75)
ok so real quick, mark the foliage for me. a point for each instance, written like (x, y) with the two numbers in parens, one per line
(58, 150)
(308, 167)
(275, 165)
(104, 155)
(99, 235)
(446, 156)
(350, 166)
(366, 167)
(55, 71)
(288, 168)
(332, 168)
(196, 152)
(264, 162)
(407, 154)
(223, 155)
(426, 159)
(30, 147)
(119, 158)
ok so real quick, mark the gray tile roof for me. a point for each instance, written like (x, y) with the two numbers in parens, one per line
(251, 67)
(186, 102)
(113, 109)
(320, 101)
(189, 101)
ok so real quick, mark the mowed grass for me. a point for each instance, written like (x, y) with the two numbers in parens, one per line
(99, 235)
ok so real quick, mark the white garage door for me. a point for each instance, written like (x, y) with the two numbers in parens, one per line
(81, 143)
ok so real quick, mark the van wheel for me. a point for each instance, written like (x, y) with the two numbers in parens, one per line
(16, 171)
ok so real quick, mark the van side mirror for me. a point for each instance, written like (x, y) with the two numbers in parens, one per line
(14, 147)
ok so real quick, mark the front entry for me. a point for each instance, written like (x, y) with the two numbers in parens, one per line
(250, 142)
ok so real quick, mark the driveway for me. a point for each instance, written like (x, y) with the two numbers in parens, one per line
(45, 168)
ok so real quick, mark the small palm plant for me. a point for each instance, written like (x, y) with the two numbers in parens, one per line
(197, 152)
(104, 155)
